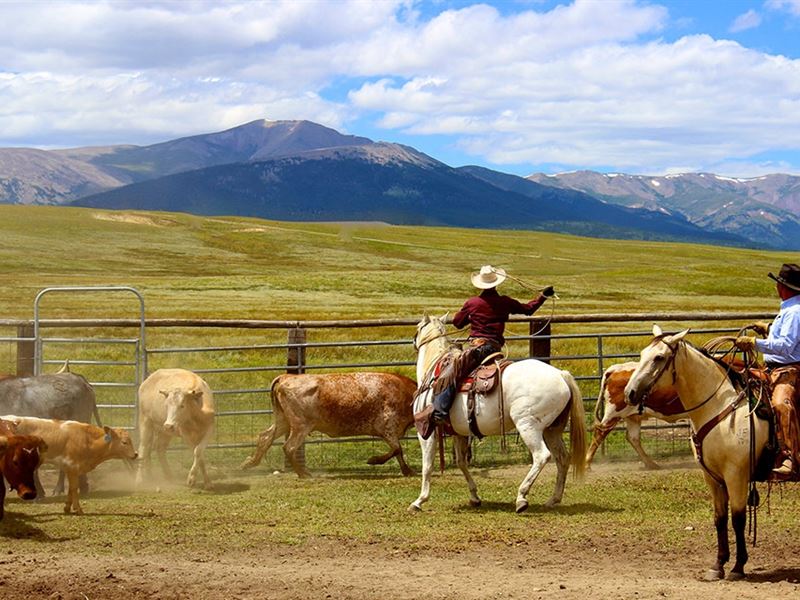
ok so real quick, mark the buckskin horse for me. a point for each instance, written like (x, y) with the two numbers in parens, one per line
(728, 440)
(537, 399)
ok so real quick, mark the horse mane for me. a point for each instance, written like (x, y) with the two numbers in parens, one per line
(734, 372)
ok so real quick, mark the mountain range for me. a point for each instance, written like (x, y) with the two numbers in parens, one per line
(299, 170)
(764, 210)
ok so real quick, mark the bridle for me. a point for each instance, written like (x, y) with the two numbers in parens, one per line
(428, 340)
(671, 364)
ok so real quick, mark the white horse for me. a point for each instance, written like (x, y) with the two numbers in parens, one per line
(728, 443)
(538, 401)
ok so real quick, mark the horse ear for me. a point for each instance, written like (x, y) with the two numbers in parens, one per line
(676, 338)
(444, 316)
(657, 331)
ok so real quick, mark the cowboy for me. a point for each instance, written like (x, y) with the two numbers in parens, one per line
(781, 350)
(486, 315)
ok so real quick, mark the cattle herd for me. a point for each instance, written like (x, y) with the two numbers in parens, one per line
(47, 419)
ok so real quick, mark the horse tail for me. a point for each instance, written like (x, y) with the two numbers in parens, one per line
(577, 427)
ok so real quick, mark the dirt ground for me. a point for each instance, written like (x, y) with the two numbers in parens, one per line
(360, 571)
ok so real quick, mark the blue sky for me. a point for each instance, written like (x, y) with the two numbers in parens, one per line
(520, 86)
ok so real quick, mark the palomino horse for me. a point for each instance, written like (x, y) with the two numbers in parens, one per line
(538, 400)
(727, 441)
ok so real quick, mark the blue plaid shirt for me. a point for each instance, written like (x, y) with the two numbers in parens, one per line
(782, 346)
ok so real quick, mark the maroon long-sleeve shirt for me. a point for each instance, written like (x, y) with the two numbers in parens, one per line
(487, 314)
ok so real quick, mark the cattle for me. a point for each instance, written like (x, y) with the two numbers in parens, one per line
(611, 400)
(65, 396)
(175, 402)
(338, 405)
(20, 456)
(75, 447)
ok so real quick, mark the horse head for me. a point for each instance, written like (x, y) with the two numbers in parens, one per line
(429, 329)
(655, 360)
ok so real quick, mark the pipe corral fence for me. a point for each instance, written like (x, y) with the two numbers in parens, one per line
(240, 358)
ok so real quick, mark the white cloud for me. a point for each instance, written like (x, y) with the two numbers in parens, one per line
(748, 20)
(586, 84)
(790, 6)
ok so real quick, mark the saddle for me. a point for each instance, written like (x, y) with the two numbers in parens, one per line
(483, 380)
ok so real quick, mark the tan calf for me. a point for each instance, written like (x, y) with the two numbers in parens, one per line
(75, 447)
(175, 402)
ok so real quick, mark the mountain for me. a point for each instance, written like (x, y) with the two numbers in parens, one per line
(392, 183)
(304, 171)
(764, 210)
(30, 176)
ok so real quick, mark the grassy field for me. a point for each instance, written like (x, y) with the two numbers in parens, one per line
(188, 266)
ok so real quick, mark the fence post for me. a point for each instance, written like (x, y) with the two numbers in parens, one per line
(26, 349)
(540, 347)
(295, 362)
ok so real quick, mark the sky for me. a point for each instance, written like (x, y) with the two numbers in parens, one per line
(521, 86)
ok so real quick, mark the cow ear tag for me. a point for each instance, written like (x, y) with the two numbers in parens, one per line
(107, 438)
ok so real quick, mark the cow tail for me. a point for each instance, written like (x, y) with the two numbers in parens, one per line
(276, 403)
(598, 417)
(577, 426)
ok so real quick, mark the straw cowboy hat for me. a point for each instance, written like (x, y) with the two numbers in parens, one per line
(488, 277)
(789, 275)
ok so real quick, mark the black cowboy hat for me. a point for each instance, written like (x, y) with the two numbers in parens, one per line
(789, 275)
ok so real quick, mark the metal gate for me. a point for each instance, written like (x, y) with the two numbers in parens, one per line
(115, 366)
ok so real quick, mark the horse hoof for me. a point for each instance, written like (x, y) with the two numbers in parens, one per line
(736, 576)
(714, 575)
(475, 502)
(522, 506)
(414, 509)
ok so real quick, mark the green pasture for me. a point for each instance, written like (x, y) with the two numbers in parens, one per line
(243, 268)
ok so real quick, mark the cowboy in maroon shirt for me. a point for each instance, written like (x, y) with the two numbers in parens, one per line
(486, 315)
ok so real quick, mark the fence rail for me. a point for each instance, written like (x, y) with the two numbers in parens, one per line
(240, 372)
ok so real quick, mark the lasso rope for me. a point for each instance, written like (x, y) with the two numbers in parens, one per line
(534, 288)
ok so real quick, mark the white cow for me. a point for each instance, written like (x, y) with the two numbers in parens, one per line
(175, 402)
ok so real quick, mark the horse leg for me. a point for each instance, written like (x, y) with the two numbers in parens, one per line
(633, 433)
(720, 498)
(539, 454)
(265, 441)
(601, 431)
(555, 444)
(428, 450)
(461, 446)
(738, 504)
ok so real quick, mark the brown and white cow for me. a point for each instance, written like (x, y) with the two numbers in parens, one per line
(20, 456)
(611, 400)
(339, 405)
(75, 447)
(175, 402)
